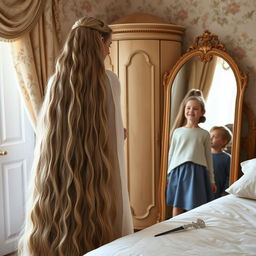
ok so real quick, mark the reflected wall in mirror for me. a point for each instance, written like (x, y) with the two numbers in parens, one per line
(206, 66)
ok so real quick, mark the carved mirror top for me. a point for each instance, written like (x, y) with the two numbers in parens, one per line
(205, 47)
(206, 43)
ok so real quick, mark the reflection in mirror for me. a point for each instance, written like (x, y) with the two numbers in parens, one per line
(205, 66)
(223, 88)
(221, 83)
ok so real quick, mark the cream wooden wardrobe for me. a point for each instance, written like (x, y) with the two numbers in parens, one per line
(143, 48)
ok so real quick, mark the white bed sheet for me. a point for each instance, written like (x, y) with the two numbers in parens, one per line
(230, 230)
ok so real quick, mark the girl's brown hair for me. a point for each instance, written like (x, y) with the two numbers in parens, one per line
(180, 120)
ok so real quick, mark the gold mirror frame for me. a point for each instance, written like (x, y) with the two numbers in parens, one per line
(205, 47)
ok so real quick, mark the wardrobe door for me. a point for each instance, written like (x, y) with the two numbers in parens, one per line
(143, 48)
(139, 76)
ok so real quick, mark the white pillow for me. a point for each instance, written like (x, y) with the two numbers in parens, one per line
(248, 164)
(245, 186)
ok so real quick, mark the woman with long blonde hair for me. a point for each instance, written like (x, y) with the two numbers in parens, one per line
(79, 198)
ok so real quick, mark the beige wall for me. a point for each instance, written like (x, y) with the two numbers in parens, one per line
(234, 21)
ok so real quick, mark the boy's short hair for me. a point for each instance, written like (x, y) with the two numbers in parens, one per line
(227, 134)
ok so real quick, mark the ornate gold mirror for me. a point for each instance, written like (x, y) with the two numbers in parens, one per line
(206, 66)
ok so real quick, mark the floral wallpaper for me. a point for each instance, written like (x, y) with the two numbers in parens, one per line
(234, 21)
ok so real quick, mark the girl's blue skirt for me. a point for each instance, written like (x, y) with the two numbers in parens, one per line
(189, 186)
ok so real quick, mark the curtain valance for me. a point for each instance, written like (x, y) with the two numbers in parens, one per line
(18, 17)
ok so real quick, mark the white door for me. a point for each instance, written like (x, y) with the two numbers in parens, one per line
(16, 155)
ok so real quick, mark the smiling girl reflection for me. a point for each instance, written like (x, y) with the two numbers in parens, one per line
(190, 169)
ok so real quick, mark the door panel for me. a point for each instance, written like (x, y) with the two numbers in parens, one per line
(139, 77)
(17, 139)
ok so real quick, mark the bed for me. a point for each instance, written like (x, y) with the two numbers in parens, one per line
(230, 227)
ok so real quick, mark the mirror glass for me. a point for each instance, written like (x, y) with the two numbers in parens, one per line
(205, 66)
(221, 85)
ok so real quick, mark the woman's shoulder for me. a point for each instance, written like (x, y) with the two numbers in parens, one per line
(114, 82)
(111, 75)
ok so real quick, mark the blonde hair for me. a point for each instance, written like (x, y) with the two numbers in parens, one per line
(180, 120)
(70, 205)
(227, 134)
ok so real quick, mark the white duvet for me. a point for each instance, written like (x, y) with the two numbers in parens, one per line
(230, 230)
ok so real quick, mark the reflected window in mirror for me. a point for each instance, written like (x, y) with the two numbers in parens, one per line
(220, 103)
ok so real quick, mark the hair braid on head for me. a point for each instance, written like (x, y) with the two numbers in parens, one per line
(69, 210)
(194, 92)
(94, 24)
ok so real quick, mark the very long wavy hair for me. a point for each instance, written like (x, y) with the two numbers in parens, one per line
(69, 209)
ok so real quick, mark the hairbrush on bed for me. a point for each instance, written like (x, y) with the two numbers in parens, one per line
(198, 224)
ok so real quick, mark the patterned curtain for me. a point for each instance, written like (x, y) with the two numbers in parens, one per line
(34, 47)
(201, 75)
